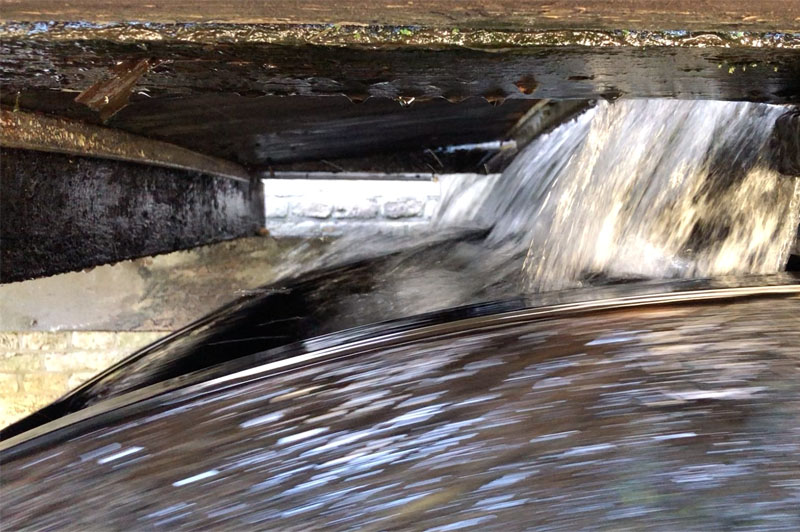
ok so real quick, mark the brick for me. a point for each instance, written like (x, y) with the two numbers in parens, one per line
(62, 362)
(358, 210)
(154, 336)
(304, 229)
(17, 406)
(311, 209)
(109, 359)
(19, 362)
(80, 361)
(76, 379)
(406, 208)
(93, 340)
(129, 342)
(92, 360)
(44, 341)
(276, 208)
(8, 384)
(149, 337)
(401, 228)
(331, 229)
(9, 341)
(45, 386)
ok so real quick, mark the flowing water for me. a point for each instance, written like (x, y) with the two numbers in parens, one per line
(674, 417)
(627, 191)
(641, 189)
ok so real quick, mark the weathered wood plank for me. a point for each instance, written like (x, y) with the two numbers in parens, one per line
(63, 213)
(31, 131)
(270, 130)
(762, 15)
(560, 72)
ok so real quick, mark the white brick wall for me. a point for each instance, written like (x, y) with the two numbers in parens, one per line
(332, 207)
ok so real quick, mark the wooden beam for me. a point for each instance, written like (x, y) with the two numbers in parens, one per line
(756, 73)
(64, 213)
(754, 15)
(31, 131)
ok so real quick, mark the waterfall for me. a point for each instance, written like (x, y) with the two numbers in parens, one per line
(644, 189)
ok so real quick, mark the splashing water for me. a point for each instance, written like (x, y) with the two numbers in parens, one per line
(634, 190)
(645, 188)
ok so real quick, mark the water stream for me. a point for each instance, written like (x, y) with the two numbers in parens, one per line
(640, 189)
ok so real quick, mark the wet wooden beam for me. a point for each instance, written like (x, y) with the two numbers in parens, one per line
(762, 15)
(270, 130)
(44, 133)
(563, 71)
(62, 213)
(264, 131)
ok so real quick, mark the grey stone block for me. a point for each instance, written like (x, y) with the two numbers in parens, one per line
(311, 209)
(362, 210)
(276, 208)
(304, 228)
(93, 340)
(404, 208)
(44, 341)
(8, 341)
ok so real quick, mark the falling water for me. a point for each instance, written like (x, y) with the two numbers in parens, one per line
(644, 188)
(634, 190)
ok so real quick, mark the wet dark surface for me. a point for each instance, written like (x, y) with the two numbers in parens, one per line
(787, 142)
(40, 132)
(764, 74)
(257, 69)
(300, 307)
(322, 133)
(691, 14)
(205, 95)
(272, 130)
(392, 281)
(669, 416)
(698, 14)
(226, 94)
(63, 213)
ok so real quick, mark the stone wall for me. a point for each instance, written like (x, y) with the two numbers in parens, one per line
(58, 331)
(39, 367)
(333, 207)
